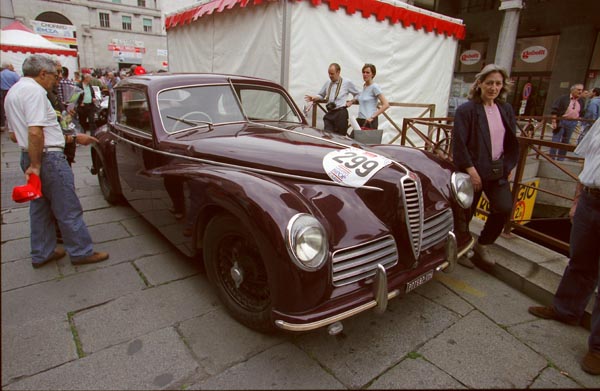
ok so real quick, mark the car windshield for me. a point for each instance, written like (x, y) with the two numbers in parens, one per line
(190, 107)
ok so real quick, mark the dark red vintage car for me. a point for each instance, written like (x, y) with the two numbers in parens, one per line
(298, 228)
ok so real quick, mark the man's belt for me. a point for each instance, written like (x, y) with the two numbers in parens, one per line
(593, 191)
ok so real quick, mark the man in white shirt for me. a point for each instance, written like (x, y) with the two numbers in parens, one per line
(33, 120)
(580, 278)
(335, 93)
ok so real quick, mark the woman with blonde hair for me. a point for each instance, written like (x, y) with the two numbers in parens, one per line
(485, 146)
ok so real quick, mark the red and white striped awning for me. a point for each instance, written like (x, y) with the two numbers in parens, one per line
(406, 15)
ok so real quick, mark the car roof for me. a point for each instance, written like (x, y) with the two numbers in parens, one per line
(166, 80)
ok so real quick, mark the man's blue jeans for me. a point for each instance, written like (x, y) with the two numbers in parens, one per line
(581, 275)
(59, 201)
(567, 127)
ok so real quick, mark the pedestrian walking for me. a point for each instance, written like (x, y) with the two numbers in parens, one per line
(592, 112)
(485, 146)
(580, 278)
(38, 133)
(566, 110)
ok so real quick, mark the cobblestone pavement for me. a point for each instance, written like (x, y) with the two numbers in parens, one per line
(149, 319)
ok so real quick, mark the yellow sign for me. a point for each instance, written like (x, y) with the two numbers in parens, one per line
(523, 206)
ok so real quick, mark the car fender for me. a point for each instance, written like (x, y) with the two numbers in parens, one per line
(264, 207)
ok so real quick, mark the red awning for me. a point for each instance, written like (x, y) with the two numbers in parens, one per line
(28, 49)
(381, 11)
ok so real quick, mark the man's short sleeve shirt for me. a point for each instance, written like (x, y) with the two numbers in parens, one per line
(27, 105)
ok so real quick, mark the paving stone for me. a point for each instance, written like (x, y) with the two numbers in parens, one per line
(235, 343)
(32, 347)
(413, 374)
(480, 354)
(15, 231)
(93, 201)
(563, 345)
(109, 231)
(283, 367)
(552, 379)
(136, 225)
(16, 249)
(494, 298)
(18, 215)
(71, 293)
(144, 311)
(443, 296)
(370, 344)
(169, 266)
(155, 361)
(20, 273)
(120, 251)
(108, 215)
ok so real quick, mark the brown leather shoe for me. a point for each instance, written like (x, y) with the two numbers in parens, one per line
(550, 313)
(591, 363)
(95, 257)
(58, 254)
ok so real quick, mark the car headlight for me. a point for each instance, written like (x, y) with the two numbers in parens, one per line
(462, 189)
(306, 241)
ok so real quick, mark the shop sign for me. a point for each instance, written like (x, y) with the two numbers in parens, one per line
(61, 34)
(523, 206)
(534, 54)
(470, 57)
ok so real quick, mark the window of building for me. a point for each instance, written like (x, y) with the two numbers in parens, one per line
(141, 3)
(104, 19)
(126, 22)
(147, 25)
(116, 1)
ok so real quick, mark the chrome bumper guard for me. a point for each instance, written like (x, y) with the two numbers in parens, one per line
(379, 291)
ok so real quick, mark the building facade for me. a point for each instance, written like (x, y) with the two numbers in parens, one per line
(108, 34)
(557, 45)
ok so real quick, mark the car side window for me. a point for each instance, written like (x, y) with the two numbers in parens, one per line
(266, 105)
(133, 110)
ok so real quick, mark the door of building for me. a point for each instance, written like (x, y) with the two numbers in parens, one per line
(537, 84)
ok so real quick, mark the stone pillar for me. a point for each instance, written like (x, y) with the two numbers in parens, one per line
(508, 33)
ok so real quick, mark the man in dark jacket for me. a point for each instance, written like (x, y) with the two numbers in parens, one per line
(565, 112)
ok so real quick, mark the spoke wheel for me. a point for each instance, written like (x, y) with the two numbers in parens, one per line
(235, 266)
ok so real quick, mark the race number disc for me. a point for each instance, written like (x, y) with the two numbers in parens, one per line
(353, 166)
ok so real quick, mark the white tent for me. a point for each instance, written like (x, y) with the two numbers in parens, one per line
(293, 42)
(17, 42)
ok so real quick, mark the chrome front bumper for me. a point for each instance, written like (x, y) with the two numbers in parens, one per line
(380, 288)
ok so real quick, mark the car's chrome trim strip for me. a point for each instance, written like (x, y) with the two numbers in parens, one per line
(336, 318)
(256, 170)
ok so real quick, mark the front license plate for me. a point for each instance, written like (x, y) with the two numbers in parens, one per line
(422, 279)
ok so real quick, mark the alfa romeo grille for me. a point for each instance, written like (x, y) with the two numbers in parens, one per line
(359, 262)
(436, 228)
(413, 209)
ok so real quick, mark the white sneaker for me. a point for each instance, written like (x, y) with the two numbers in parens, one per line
(484, 253)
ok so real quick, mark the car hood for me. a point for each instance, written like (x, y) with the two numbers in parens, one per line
(295, 150)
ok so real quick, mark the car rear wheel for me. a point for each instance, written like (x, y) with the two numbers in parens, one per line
(110, 195)
(234, 265)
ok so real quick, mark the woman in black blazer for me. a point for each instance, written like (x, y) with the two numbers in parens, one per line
(484, 145)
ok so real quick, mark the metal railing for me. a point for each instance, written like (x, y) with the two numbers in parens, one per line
(534, 135)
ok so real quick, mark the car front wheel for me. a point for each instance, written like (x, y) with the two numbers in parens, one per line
(234, 265)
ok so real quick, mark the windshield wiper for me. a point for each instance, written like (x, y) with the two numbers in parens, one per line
(192, 122)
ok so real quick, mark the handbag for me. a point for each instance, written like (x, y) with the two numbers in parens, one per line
(497, 170)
